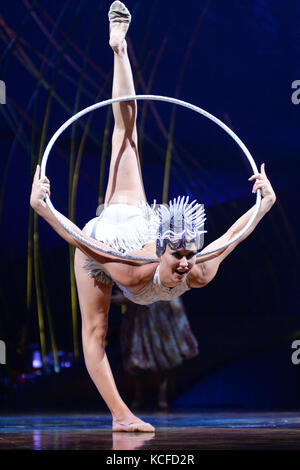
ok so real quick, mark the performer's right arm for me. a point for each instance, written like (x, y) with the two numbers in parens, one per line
(40, 188)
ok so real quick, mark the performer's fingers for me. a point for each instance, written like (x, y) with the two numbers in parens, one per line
(45, 180)
(255, 177)
(36, 174)
(260, 182)
(262, 169)
(260, 185)
(257, 183)
(45, 186)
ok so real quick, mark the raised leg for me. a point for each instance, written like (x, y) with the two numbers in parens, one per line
(94, 299)
(125, 184)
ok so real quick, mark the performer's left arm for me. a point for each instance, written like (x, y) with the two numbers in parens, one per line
(207, 267)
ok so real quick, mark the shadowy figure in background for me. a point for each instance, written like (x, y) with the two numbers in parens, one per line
(155, 339)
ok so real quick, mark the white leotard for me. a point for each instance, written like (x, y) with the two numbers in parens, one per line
(123, 227)
(128, 228)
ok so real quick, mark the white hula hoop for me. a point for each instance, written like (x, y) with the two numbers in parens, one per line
(101, 104)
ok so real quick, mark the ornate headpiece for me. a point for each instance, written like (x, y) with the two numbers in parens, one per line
(180, 224)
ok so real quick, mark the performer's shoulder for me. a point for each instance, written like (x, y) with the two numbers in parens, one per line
(196, 277)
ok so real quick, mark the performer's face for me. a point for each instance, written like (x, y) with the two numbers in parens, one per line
(176, 264)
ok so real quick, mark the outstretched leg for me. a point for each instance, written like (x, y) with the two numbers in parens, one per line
(94, 299)
(125, 184)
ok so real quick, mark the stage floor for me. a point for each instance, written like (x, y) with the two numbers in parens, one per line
(213, 430)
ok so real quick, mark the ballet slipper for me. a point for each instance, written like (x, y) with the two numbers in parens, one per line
(119, 20)
(132, 427)
(118, 13)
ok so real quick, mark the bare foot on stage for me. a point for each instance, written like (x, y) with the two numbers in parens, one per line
(131, 424)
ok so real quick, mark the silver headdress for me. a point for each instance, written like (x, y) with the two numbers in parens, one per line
(180, 224)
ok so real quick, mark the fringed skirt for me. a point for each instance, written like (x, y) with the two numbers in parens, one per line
(122, 227)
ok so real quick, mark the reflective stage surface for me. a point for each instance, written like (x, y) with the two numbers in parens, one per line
(174, 431)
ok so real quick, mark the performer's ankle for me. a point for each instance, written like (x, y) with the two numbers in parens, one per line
(120, 413)
(119, 49)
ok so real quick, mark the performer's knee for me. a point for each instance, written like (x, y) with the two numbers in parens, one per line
(95, 334)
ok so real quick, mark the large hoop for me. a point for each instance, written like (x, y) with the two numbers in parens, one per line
(61, 219)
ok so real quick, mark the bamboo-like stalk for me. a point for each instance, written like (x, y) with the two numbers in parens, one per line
(36, 245)
(38, 287)
(74, 305)
(29, 262)
(31, 220)
(49, 317)
(74, 309)
(32, 254)
(71, 211)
